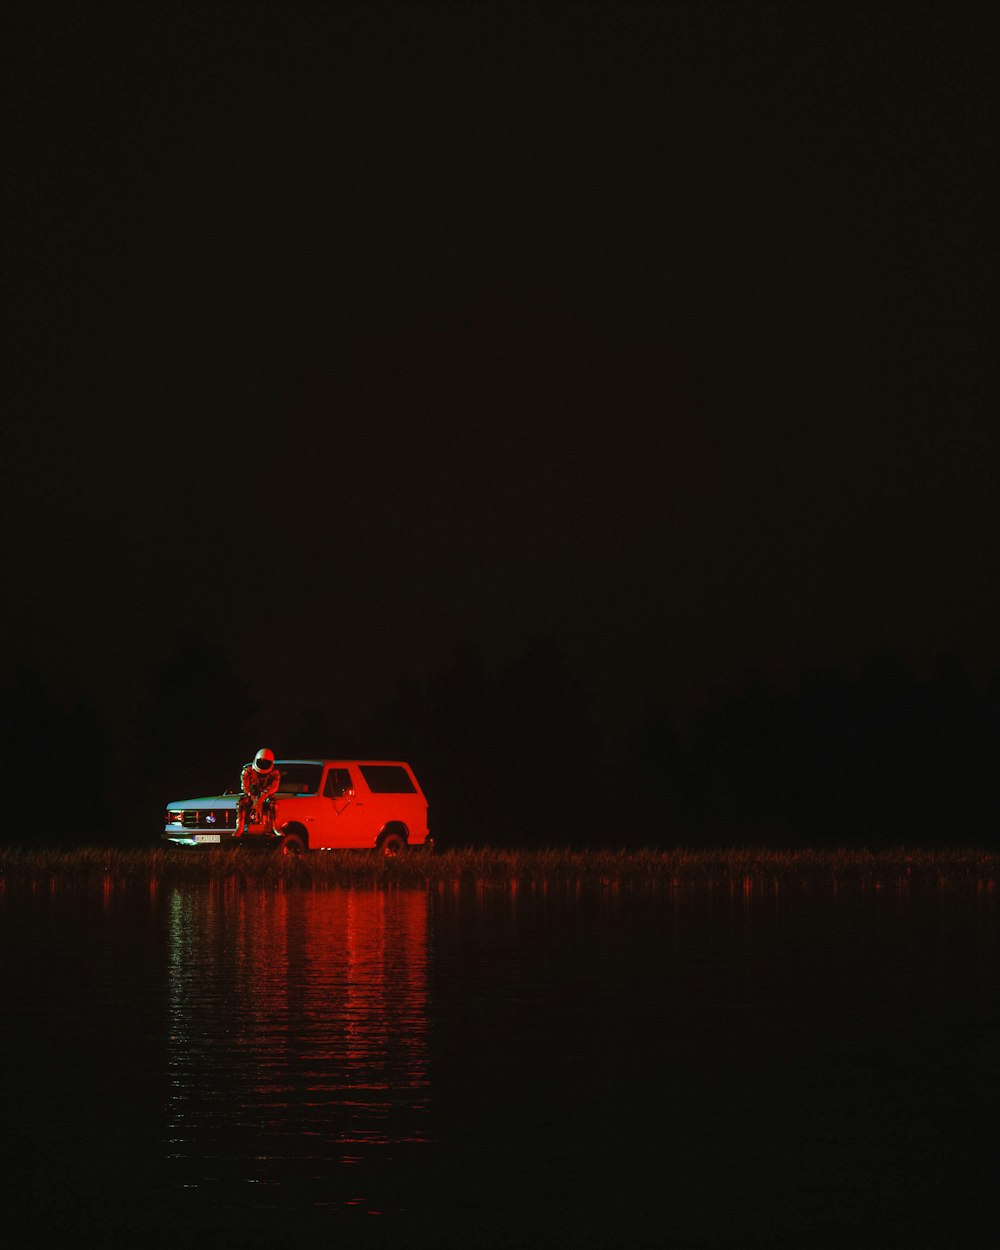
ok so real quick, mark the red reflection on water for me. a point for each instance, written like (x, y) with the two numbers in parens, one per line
(298, 1027)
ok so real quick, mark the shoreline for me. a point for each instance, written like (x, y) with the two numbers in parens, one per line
(672, 868)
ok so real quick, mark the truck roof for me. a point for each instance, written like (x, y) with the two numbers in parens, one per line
(340, 759)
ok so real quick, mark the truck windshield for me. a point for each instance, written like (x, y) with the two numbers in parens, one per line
(298, 778)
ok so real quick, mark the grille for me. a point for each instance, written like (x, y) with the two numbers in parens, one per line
(225, 818)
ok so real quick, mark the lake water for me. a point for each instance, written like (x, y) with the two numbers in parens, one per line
(206, 1066)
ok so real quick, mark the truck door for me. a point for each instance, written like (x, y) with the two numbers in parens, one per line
(343, 811)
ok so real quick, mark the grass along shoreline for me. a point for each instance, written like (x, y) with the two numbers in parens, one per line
(671, 868)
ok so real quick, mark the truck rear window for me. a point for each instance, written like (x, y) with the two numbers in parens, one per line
(387, 779)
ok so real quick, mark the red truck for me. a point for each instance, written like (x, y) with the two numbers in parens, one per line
(319, 805)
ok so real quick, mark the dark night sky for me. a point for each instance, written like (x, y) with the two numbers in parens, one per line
(668, 330)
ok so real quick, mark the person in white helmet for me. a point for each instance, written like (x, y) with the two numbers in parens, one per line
(258, 781)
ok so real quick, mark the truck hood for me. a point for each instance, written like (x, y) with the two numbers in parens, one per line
(207, 804)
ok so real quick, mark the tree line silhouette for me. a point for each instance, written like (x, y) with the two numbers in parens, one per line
(512, 756)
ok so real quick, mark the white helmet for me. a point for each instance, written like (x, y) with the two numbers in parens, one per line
(263, 761)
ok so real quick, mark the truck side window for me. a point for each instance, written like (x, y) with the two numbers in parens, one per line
(387, 779)
(338, 783)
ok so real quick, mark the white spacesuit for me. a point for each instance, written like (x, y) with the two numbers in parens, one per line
(258, 781)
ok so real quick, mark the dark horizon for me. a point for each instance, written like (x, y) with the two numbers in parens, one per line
(515, 757)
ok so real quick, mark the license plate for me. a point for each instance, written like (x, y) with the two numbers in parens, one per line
(208, 837)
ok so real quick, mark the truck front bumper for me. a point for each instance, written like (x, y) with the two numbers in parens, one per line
(224, 839)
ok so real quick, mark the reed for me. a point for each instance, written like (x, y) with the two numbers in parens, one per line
(485, 866)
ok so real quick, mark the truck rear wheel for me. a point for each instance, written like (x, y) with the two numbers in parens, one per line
(392, 842)
(292, 844)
